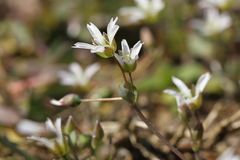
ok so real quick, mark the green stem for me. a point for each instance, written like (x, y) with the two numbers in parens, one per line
(123, 74)
(155, 131)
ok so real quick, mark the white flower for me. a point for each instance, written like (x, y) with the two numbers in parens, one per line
(185, 97)
(128, 57)
(76, 76)
(229, 154)
(214, 22)
(29, 127)
(57, 144)
(103, 44)
(213, 3)
(145, 10)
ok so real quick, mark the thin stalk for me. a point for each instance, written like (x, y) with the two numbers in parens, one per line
(155, 131)
(102, 99)
(196, 155)
(123, 74)
(131, 79)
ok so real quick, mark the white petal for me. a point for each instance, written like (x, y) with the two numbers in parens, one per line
(97, 49)
(182, 87)
(144, 4)
(76, 70)
(96, 34)
(92, 48)
(112, 29)
(202, 82)
(135, 50)
(91, 70)
(171, 92)
(133, 14)
(58, 129)
(50, 126)
(48, 143)
(55, 102)
(83, 45)
(29, 127)
(66, 78)
(225, 21)
(119, 58)
(157, 5)
(125, 47)
(179, 98)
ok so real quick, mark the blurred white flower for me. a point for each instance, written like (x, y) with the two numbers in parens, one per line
(76, 76)
(57, 144)
(229, 154)
(185, 97)
(103, 44)
(213, 23)
(29, 127)
(145, 10)
(127, 57)
(213, 3)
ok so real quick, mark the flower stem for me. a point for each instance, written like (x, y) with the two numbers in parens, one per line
(123, 74)
(102, 99)
(155, 131)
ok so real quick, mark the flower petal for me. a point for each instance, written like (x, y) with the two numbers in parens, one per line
(112, 29)
(50, 126)
(119, 58)
(182, 87)
(157, 5)
(91, 70)
(58, 129)
(135, 50)
(48, 143)
(125, 47)
(202, 82)
(179, 98)
(96, 34)
(144, 4)
(55, 102)
(83, 45)
(132, 14)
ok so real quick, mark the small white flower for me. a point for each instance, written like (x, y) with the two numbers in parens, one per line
(57, 144)
(213, 3)
(128, 57)
(185, 97)
(103, 44)
(229, 154)
(76, 76)
(145, 10)
(29, 127)
(214, 22)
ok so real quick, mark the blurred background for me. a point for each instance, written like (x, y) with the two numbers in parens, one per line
(182, 38)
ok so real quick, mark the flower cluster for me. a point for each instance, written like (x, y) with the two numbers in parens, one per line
(105, 46)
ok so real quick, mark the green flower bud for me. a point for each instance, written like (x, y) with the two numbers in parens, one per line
(129, 93)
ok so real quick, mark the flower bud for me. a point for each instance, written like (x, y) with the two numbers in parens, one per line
(97, 136)
(70, 100)
(129, 93)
